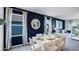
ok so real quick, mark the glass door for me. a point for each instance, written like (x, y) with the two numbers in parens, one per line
(16, 28)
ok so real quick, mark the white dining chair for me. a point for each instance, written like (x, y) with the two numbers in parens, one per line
(35, 46)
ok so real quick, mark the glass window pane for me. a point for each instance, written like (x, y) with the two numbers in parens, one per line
(61, 24)
(17, 11)
(16, 22)
(16, 30)
(57, 24)
(16, 18)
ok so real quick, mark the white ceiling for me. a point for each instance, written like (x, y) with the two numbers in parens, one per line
(65, 13)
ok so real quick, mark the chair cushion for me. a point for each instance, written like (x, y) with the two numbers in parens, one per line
(51, 48)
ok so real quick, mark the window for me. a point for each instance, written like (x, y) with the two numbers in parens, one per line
(16, 30)
(59, 24)
(16, 24)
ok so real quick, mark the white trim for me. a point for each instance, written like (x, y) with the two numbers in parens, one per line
(10, 24)
(16, 25)
(44, 24)
(6, 20)
(8, 36)
(16, 35)
(16, 46)
(25, 27)
(17, 14)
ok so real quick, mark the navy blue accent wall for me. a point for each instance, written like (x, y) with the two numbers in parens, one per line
(32, 32)
(63, 26)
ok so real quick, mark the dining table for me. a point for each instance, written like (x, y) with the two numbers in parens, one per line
(42, 43)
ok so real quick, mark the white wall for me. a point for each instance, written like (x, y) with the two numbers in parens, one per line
(67, 25)
(1, 12)
(1, 37)
(1, 28)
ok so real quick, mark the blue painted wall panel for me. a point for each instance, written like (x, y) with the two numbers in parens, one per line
(32, 32)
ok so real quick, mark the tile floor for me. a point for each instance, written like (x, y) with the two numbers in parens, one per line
(70, 45)
(21, 48)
